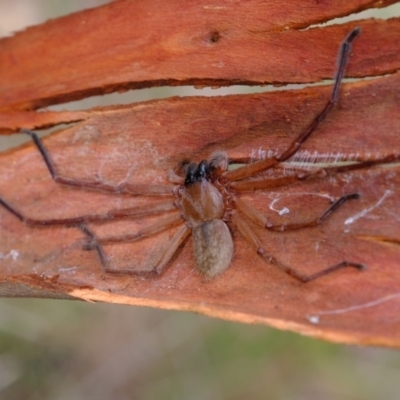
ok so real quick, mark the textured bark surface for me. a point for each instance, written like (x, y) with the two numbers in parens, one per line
(140, 143)
(144, 43)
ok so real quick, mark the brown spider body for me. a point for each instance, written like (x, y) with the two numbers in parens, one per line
(203, 207)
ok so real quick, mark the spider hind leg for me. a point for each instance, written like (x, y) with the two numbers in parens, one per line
(252, 238)
(168, 251)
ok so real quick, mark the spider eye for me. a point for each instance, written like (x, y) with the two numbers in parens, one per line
(196, 173)
(190, 171)
(202, 170)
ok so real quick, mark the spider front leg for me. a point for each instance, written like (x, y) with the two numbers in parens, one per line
(252, 238)
(134, 189)
(263, 165)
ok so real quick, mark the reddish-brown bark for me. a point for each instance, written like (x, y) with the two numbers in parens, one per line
(150, 43)
(142, 142)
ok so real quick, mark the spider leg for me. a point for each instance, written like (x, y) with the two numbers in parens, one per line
(252, 238)
(259, 166)
(170, 248)
(134, 189)
(132, 212)
(268, 183)
(162, 224)
(258, 218)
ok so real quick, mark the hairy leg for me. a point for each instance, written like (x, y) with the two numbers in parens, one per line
(170, 248)
(259, 166)
(252, 238)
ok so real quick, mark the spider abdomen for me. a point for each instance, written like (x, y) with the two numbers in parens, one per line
(213, 247)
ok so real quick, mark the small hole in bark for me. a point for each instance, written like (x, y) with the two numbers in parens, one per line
(214, 37)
